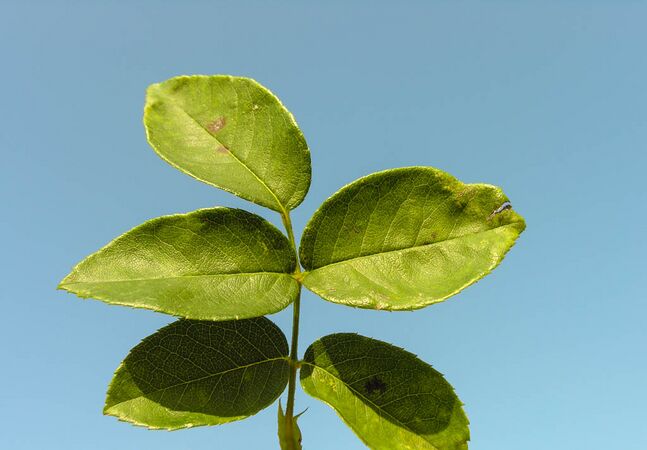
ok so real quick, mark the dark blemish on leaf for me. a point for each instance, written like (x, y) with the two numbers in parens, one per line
(217, 124)
(222, 149)
(375, 384)
(500, 209)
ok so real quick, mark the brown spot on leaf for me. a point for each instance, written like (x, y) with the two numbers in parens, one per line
(222, 149)
(217, 124)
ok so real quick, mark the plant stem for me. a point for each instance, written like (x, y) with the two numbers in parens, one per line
(294, 356)
(287, 223)
(289, 409)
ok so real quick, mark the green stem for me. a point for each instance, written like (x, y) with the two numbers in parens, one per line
(289, 409)
(294, 357)
(287, 223)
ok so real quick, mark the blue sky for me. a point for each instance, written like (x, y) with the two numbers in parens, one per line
(546, 99)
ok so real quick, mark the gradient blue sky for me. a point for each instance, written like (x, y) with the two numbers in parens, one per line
(546, 99)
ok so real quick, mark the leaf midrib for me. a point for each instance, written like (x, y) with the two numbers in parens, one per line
(206, 377)
(414, 247)
(249, 169)
(174, 277)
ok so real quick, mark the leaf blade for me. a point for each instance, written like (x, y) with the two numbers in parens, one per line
(176, 377)
(215, 264)
(406, 238)
(232, 133)
(369, 384)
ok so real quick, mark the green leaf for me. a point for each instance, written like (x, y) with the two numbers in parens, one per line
(214, 264)
(289, 439)
(406, 238)
(232, 133)
(192, 373)
(386, 395)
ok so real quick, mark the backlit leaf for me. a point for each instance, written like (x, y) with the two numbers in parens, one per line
(216, 264)
(406, 238)
(232, 133)
(386, 395)
(193, 373)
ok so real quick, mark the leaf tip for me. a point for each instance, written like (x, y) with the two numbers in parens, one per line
(65, 285)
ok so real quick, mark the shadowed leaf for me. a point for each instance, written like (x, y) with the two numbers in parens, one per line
(193, 373)
(389, 397)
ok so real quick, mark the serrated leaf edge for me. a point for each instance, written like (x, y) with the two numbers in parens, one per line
(411, 307)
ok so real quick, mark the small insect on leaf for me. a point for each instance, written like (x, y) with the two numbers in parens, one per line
(500, 209)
